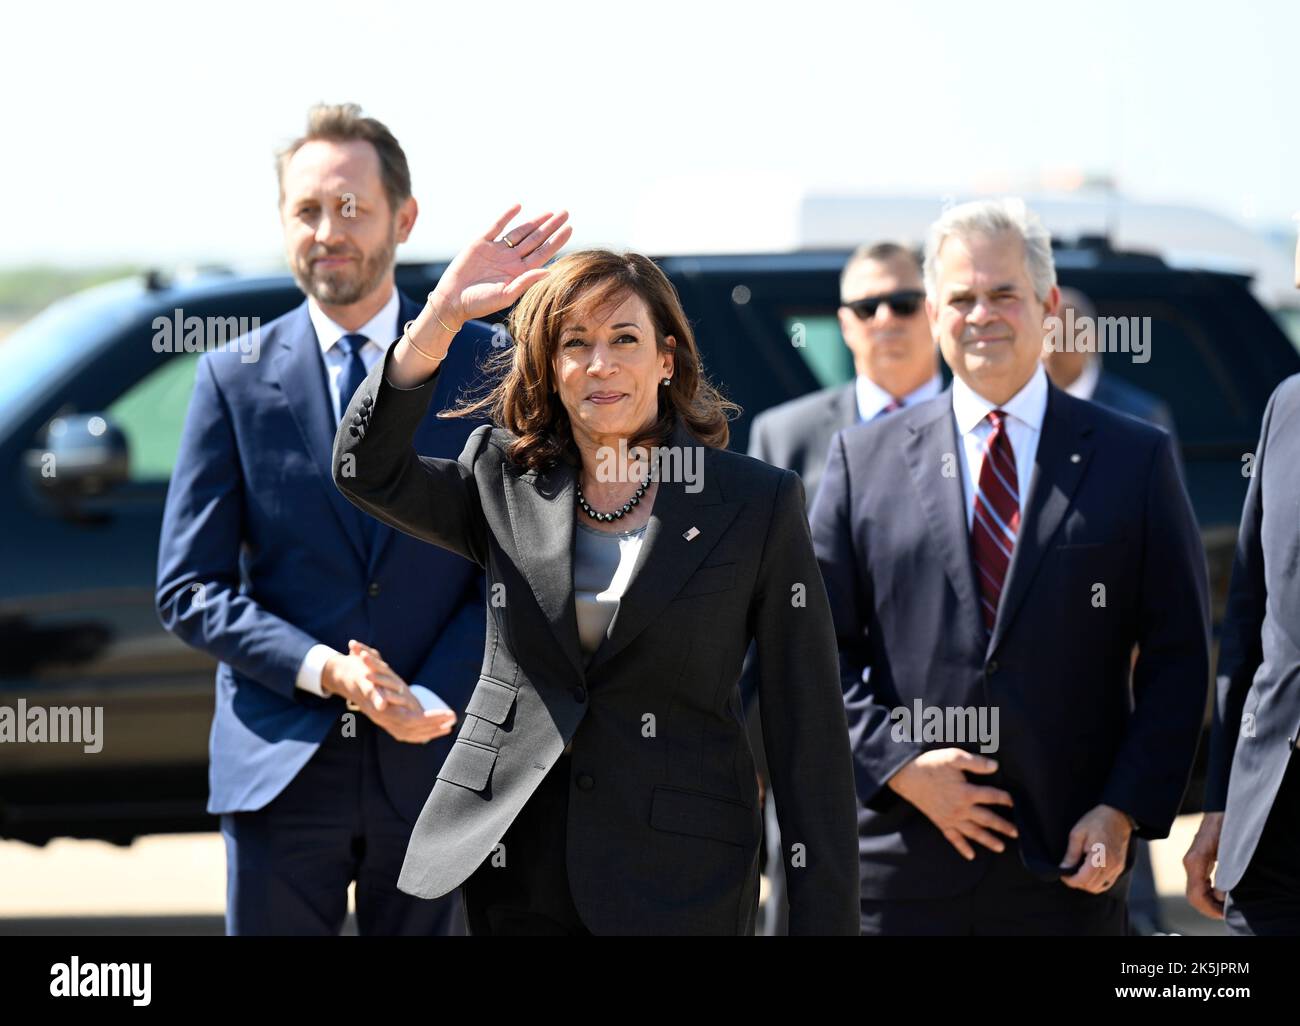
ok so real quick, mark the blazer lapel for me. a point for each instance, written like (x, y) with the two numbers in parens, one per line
(299, 373)
(668, 558)
(542, 515)
(932, 456)
(541, 521)
(845, 408)
(1059, 465)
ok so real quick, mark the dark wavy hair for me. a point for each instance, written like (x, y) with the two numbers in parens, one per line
(520, 398)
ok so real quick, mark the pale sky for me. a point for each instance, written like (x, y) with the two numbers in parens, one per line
(143, 132)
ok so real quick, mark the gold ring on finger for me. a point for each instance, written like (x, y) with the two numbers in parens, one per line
(506, 240)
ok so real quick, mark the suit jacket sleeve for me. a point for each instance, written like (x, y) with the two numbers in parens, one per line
(375, 466)
(197, 592)
(877, 756)
(1150, 772)
(803, 725)
(1240, 647)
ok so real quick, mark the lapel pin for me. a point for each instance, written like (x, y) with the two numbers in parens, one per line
(1075, 457)
(692, 534)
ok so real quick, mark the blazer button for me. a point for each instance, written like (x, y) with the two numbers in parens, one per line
(585, 782)
(373, 590)
(579, 694)
(352, 430)
(992, 667)
(366, 401)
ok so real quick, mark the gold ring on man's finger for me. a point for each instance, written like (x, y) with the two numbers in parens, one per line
(506, 240)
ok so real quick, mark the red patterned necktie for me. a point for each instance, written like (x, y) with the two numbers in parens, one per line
(997, 516)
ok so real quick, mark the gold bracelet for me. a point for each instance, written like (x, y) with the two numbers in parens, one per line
(406, 334)
(438, 317)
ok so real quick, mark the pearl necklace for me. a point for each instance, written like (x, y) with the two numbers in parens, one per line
(619, 513)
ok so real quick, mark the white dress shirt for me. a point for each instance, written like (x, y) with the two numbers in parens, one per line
(381, 331)
(872, 398)
(1024, 425)
(1085, 384)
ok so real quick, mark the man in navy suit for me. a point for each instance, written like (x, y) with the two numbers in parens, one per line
(1252, 819)
(882, 320)
(993, 556)
(345, 649)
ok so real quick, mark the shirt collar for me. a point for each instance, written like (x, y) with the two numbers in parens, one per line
(1027, 406)
(381, 329)
(872, 398)
(1085, 384)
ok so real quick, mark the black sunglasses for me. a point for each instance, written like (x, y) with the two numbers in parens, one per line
(904, 302)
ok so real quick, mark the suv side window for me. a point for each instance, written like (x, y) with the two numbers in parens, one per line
(151, 414)
(815, 336)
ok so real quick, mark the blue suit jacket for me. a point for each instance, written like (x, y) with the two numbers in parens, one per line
(1107, 507)
(1257, 715)
(261, 557)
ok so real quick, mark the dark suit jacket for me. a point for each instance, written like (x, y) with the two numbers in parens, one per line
(1106, 507)
(1117, 394)
(663, 822)
(797, 434)
(254, 525)
(1257, 715)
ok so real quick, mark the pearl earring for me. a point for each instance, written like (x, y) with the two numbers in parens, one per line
(666, 380)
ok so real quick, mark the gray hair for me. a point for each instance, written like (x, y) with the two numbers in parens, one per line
(993, 217)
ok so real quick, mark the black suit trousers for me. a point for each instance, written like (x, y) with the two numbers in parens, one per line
(1008, 901)
(522, 890)
(1267, 900)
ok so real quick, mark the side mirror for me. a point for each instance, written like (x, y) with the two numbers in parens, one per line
(79, 456)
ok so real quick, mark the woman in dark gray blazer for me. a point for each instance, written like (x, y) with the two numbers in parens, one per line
(602, 781)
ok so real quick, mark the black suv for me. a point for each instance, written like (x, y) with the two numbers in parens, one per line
(85, 382)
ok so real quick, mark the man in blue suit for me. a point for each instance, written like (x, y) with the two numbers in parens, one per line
(993, 556)
(1252, 797)
(345, 649)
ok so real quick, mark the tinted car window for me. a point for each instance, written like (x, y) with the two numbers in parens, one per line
(151, 414)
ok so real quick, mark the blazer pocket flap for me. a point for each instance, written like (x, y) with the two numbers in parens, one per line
(468, 765)
(703, 815)
(492, 700)
(708, 579)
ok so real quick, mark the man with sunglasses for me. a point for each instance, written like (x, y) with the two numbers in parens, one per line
(895, 361)
(897, 365)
